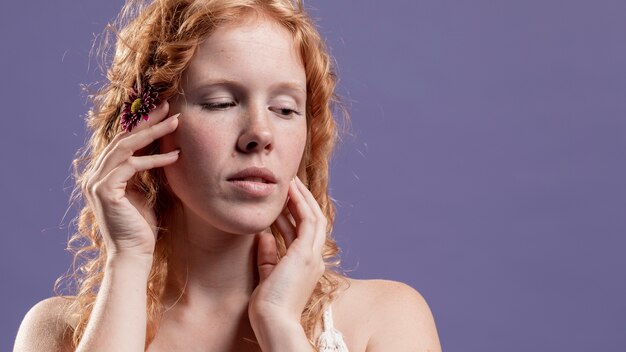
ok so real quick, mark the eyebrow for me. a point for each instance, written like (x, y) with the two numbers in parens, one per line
(280, 86)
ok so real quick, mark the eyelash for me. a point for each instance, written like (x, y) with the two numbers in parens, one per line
(222, 106)
(218, 106)
(290, 111)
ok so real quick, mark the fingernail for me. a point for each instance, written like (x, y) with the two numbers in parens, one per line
(175, 116)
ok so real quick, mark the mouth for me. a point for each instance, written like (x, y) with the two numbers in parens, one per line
(253, 182)
(254, 174)
(250, 179)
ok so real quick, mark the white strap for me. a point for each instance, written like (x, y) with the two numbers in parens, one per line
(331, 339)
(328, 319)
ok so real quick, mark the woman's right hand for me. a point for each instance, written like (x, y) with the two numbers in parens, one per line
(126, 222)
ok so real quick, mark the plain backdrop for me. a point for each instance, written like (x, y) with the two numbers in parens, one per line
(485, 166)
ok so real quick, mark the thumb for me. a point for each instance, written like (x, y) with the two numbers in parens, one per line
(267, 255)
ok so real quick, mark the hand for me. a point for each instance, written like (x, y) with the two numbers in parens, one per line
(286, 286)
(126, 222)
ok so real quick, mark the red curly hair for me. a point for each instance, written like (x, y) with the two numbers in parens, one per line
(155, 43)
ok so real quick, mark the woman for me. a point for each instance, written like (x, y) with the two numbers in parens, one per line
(207, 221)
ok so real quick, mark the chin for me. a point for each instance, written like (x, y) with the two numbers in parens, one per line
(244, 220)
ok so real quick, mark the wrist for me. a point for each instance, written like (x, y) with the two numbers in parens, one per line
(278, 335)
(137, 261)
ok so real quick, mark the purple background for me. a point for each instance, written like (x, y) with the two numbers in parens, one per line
(485, 166)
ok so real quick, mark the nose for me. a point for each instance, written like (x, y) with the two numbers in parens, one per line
(256, 134)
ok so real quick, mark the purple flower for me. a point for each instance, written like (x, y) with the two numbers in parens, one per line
(139, 104)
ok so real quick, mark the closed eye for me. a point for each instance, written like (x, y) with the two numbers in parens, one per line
(230, 104)
(218, 106)
(287, 111)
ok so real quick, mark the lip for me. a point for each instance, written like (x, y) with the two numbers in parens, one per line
(254, 171)
(253, 188)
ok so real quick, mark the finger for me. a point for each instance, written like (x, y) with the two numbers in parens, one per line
(267, 255)
(120, 175)
(286, 228)
(125, 148)
(320, 233)
(308, 196)
(286, 210)
(302, 214)
(107, 149)
(155, 116)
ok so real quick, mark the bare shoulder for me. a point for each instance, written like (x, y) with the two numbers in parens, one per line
(46, 327)
(400, 319)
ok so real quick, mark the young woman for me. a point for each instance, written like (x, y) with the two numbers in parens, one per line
(207, 222)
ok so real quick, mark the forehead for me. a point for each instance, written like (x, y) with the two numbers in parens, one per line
(254, 49)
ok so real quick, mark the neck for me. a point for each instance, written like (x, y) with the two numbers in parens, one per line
(216, 269)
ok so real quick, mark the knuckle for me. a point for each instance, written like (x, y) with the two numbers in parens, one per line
(118, 137)
(123, 148)
(85, 186)
(307, 217)
(323, 236)
(307, 259)
(315, 219)
(112, 143)
(132, 163)
(103, 193)
(89, 189)
(89, 185)
(97, 189)
(322, 267)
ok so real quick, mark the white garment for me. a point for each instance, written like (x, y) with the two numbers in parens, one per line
(331, 340)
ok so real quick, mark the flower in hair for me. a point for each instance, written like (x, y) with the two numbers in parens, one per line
(140, 103)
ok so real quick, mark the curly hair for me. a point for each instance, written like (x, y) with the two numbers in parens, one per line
(155, 43)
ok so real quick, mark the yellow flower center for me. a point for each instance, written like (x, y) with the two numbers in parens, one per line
(136, 105)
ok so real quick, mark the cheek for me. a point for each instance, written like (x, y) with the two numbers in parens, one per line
(292, 152)
(202, 152)
(192, 138)
(202, 148)
(299, 143)
(298, 149)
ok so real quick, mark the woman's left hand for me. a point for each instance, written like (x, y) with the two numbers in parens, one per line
(286, 286)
